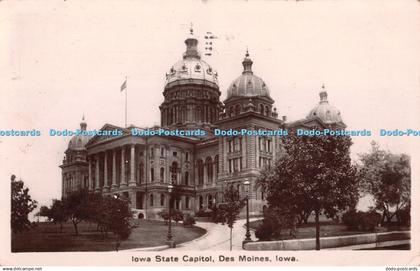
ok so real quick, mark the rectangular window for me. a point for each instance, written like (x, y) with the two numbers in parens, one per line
(236, 142)
(187, 202)
(175, 154)
(186, 156)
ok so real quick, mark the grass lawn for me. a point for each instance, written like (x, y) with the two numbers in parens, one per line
(48, 238)
(328, 228)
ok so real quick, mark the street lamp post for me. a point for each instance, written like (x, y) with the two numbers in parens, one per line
(169, 241)
(247, 234)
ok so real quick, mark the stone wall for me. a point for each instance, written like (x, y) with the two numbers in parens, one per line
(369, 240)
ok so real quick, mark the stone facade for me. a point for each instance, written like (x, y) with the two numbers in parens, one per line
(140, 168)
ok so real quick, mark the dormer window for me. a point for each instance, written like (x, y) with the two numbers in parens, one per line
(197, 68)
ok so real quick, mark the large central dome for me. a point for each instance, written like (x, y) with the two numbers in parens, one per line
(191, 68)
(248, 84)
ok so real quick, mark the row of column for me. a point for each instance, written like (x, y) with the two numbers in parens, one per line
(205, 177)
(123, 180)
(174, 114)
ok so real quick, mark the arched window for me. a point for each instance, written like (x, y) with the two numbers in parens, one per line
(162, 200)
(187, 176)
(151, 200)
(174, 173)
(162, 175)
(237, 109)
(216, 164)
(209, 166)
(200, 167)
(231, 111)
(152, 175)
(261, 109)
(198, 114)
(141, 172)
(267, 111)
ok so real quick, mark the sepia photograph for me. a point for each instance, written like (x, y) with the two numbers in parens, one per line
(210, 132)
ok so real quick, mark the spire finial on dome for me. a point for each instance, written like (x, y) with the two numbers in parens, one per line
(247, 63)
(191, 29)
(83, 124)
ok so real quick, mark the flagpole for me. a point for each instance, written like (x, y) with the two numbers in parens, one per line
(126, 90)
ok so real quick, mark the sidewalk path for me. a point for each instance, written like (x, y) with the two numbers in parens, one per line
(217, 237)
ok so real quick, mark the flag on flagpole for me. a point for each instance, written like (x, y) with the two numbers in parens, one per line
(124, 85)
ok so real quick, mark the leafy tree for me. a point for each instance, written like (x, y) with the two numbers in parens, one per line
(387, 177)
(22, 204)
(228, 212)
(56, 213)
(116, 217)
(78, 208)
(313, 174)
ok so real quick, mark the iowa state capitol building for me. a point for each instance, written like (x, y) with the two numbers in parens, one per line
(141, 168)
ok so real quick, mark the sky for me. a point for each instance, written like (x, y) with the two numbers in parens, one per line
(62, 60)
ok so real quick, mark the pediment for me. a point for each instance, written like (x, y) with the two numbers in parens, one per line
(107, 132)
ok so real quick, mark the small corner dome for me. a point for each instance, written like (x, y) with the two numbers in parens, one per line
(329, 114)
(78, 142)
(191, 68)
(248, 84)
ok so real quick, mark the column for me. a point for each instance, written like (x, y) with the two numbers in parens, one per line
(195, 179)
(106, 186)
(90, 174)
(114, 169)
(97, 173)
(123, 181)
(244, 152)
(132, 181)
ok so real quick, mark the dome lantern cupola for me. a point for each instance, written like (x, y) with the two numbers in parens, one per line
(83, 124)
(247, 63)
(328, 113)
(191, 43)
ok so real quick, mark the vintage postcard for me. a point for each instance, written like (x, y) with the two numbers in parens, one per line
(139, 133)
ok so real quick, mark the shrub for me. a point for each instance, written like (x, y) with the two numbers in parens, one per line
(204, 213)
(272, 224)
(369, 220)
(177, 215)
(188, 220)
(358, 220)
(164, 214)
(404, 217)
(351, 220)
(265, 230)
